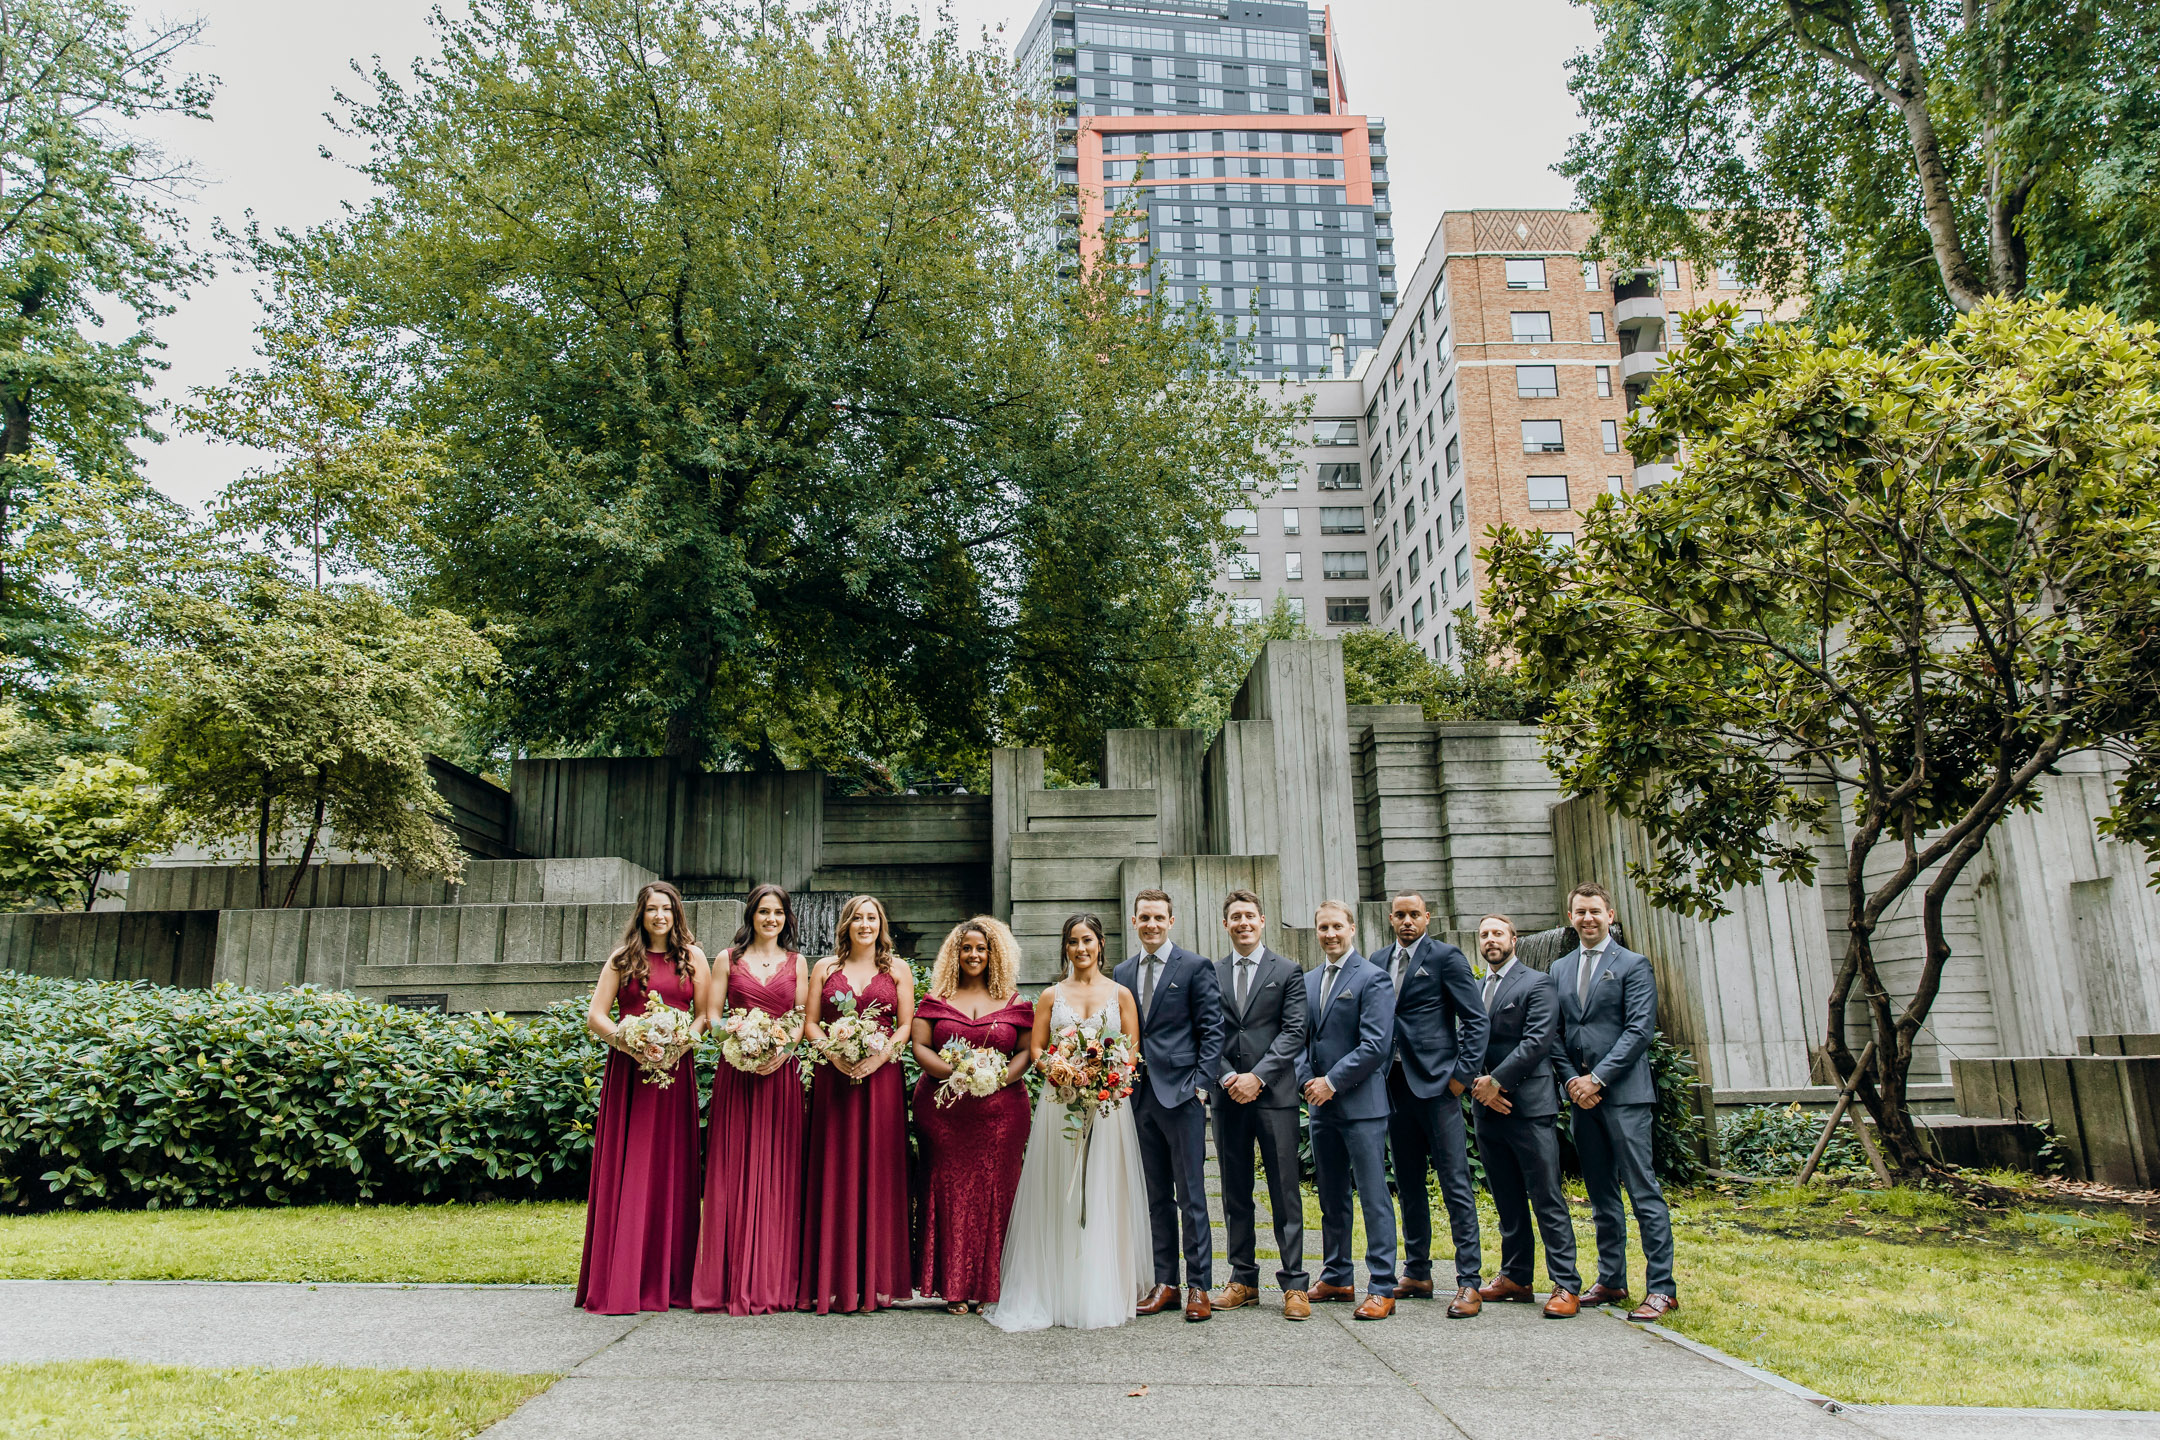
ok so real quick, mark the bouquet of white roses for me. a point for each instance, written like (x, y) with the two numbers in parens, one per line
(974, 1072)
(750, 1037)
(657, 1039)
(852, 1035)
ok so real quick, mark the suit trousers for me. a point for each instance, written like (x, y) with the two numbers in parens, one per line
(1272, 1130)
(1613, 1142)
(1522, 1169)
(1352, 1154)
(1434, 1131)
(1173, 1155)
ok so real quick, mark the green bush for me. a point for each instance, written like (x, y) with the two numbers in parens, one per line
(136, 1095)
(1777, 1139)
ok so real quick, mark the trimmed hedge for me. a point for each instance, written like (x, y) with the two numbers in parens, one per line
(133, 1095)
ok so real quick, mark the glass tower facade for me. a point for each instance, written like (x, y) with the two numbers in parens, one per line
(1219, 129)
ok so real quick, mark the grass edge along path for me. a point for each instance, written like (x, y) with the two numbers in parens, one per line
(120, 1400)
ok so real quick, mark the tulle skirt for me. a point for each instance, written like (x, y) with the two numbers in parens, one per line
(1056, 1271)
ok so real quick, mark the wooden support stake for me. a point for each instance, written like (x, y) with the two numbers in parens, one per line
(1844, 1103)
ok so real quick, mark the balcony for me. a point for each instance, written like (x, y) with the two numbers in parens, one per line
(1642, 316)
(1642, 367)
(1634, 285)
(1649, 476)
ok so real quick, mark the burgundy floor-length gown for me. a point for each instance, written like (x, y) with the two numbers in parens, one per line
(969, 1159)
(749, 1249)
(641, 1213)
(855, 1199)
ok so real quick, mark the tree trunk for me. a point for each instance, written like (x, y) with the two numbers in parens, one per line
(307, 851)
(685, 742)
(262, 856)
(1938, 202)
(90, 890)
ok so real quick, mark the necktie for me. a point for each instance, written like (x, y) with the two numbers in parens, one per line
(1492, 986)
(1147, 984)
(1327, 983)
(1244, 981)
(1402, 957)
(1582, 977)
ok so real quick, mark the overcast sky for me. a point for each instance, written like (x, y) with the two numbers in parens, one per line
(1475, 97)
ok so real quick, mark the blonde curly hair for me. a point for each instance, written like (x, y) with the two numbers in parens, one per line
(1001, 976)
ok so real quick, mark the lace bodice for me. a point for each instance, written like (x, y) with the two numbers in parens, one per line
(1105, 1021)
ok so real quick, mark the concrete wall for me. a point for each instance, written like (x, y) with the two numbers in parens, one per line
(709, 833)
(1065, 853)
(927, 857)
(164, 948)
(1296, 687)
(486, 882)
(1169, 763)
(477, 809)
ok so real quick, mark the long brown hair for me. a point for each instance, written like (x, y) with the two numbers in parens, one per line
(843, 945)
(1102, 945)
(629, 957)
(746, 933)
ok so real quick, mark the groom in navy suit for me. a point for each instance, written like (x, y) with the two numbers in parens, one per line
(1181, 1043)
(1349, 1031)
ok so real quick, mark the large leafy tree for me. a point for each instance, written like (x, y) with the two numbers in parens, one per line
(1898, 160)
(769, 427)
(1909, 582)
(88, 237)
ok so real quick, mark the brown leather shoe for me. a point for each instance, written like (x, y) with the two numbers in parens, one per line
(1562, 1306)
(1603, 1294)
(1295, 1306)
(1196, 1304)
(1503, 1288)
(1654, 1306)
(1161, 1298)
(1376, 1307)
(1231, 1296)
(1467, 1303)
(1325, 1294)
(1413, 1289)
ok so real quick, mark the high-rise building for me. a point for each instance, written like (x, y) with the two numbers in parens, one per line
(1219, 130)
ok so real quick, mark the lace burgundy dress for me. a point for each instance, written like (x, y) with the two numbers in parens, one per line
(969, 1159)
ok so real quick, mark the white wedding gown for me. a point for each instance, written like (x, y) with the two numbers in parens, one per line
(1055, 1270)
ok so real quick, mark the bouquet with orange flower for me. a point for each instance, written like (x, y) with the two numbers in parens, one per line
(1089, 1073)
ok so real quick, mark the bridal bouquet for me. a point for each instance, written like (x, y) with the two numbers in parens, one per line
(657, 1039)
(852, 1035)
(1089, 1074)
(750, 1038)
(974, 1072)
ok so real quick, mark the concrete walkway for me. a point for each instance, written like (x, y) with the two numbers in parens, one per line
(918, 1371)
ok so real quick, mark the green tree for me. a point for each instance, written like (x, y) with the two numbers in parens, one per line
(88, 234)
(288, 709)
(1898, 160)
(60, 836)
(1381, 667)
(767, 419)
(1911, 583)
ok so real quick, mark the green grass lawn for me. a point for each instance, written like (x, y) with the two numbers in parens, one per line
(503, 1243)
(1897, 1297)
(113, 1400)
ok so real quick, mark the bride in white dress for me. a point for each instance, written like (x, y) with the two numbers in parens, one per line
(1057, 1270)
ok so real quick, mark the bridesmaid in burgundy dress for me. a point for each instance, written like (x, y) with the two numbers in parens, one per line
(641, 1214)
(749, 1245)
(970, 1150)
(855, 1200)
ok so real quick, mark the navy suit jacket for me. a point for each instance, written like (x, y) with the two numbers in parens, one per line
(1181, 1032)
(1349, 1041)
(1263, 1039)
(1440, 1019)
(1610, 1036)
(1525, 1034)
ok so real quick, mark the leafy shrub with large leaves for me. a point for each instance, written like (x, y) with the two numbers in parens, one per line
(137, 1095)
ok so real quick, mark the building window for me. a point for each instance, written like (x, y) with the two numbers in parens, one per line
(1669, 272)
(1589, 275)
(1597, 327)
(1611, 429)
(1342, 475)
(1345, 565)
(1244, 608)
(1297, 606)
(1455, 511)
(1604, 382)
(1246, 522)
(1537, 382)
(1548, 492)
(1450, 639)
(1749, 319)
(1413, 562)
(1290, 520)
(1342, 520)
(1417, 616)
(1349, 610)
(1335, 432)
(1542, 437)
(1526, 274)
(1613, 485)
(1531, 327)
(1728, 275)
(1387, 598)
(1462, 567)
(1293, 565)
(1245, 565)
(1454, 454)
(1557, 540)
(1447, 401)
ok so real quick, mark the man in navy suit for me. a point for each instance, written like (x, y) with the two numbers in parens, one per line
(1518, 1104)
(1439, 1050)
(1181, 1041)
(1608, 1012)
(1350, 1027)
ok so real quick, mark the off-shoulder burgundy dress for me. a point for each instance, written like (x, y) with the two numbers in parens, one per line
(968, 1160)
(855, 1197)
(749, 1247)
(641, 1213)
